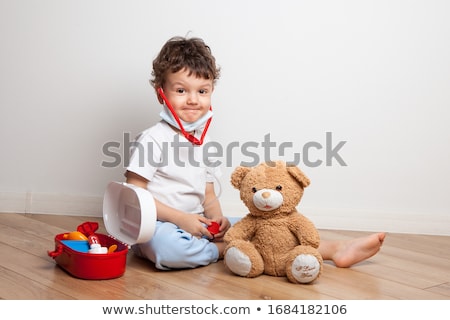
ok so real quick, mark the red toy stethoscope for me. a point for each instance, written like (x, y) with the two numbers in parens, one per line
(187, 135)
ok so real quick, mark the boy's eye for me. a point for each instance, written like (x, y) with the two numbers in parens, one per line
(202, 91)
(180, 90)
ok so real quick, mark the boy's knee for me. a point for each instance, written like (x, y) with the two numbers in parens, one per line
(181, 250)
(173, 248)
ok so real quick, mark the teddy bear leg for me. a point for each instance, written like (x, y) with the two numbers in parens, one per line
(304, 265)
(242, 258)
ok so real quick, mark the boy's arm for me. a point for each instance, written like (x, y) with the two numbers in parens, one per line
(213, 211)
(211, 205)
(188, 222)
(137, 180)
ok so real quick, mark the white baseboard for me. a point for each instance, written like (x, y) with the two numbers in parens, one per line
(377, 221)
(58, 204)
(334, 219)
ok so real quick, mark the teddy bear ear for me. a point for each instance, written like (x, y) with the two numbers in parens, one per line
(298, 175)
(238, 175)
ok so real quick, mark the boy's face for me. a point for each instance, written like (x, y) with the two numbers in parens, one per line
(189, 96)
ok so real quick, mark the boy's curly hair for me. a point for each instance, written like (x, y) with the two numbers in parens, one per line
(184, 53)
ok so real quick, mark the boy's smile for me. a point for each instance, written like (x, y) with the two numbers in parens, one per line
(189, 96)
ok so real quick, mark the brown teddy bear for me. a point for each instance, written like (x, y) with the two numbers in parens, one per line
(273, 238)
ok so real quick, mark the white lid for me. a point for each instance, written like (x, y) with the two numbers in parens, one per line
(129, 213)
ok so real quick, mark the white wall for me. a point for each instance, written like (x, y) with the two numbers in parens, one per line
(376, 74)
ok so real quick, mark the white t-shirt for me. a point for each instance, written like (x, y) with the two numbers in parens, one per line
(176, 169)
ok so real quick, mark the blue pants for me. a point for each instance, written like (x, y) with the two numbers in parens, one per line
(174, 248)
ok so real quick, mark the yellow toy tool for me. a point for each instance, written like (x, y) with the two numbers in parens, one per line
(74, 235)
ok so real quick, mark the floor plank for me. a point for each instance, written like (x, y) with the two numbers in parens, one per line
(412, 267)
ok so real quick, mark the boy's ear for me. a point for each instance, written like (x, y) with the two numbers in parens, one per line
(158, 95)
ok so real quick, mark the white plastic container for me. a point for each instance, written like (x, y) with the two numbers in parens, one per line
(129, 213)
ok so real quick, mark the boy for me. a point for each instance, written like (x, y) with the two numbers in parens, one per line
(168, 160)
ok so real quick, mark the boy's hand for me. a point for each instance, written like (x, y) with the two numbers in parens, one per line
(195, 225)
(224, 226)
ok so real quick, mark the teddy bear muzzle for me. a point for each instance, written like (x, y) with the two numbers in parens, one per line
(267, 199)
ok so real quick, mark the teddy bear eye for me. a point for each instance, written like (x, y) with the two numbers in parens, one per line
(254, 190)
(278, 187)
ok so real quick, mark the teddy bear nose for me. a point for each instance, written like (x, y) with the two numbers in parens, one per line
(265, 194)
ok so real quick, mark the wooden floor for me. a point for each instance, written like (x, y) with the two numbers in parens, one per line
(412, 267)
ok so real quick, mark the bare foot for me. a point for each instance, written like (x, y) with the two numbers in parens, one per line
(345, 253)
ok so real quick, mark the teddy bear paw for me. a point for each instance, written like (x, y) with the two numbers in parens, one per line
(238, 262)
(305, 268)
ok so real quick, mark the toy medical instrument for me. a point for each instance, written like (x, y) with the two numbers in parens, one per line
(214, 228)
(112, 248)
(74, 235)
(95, 246)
